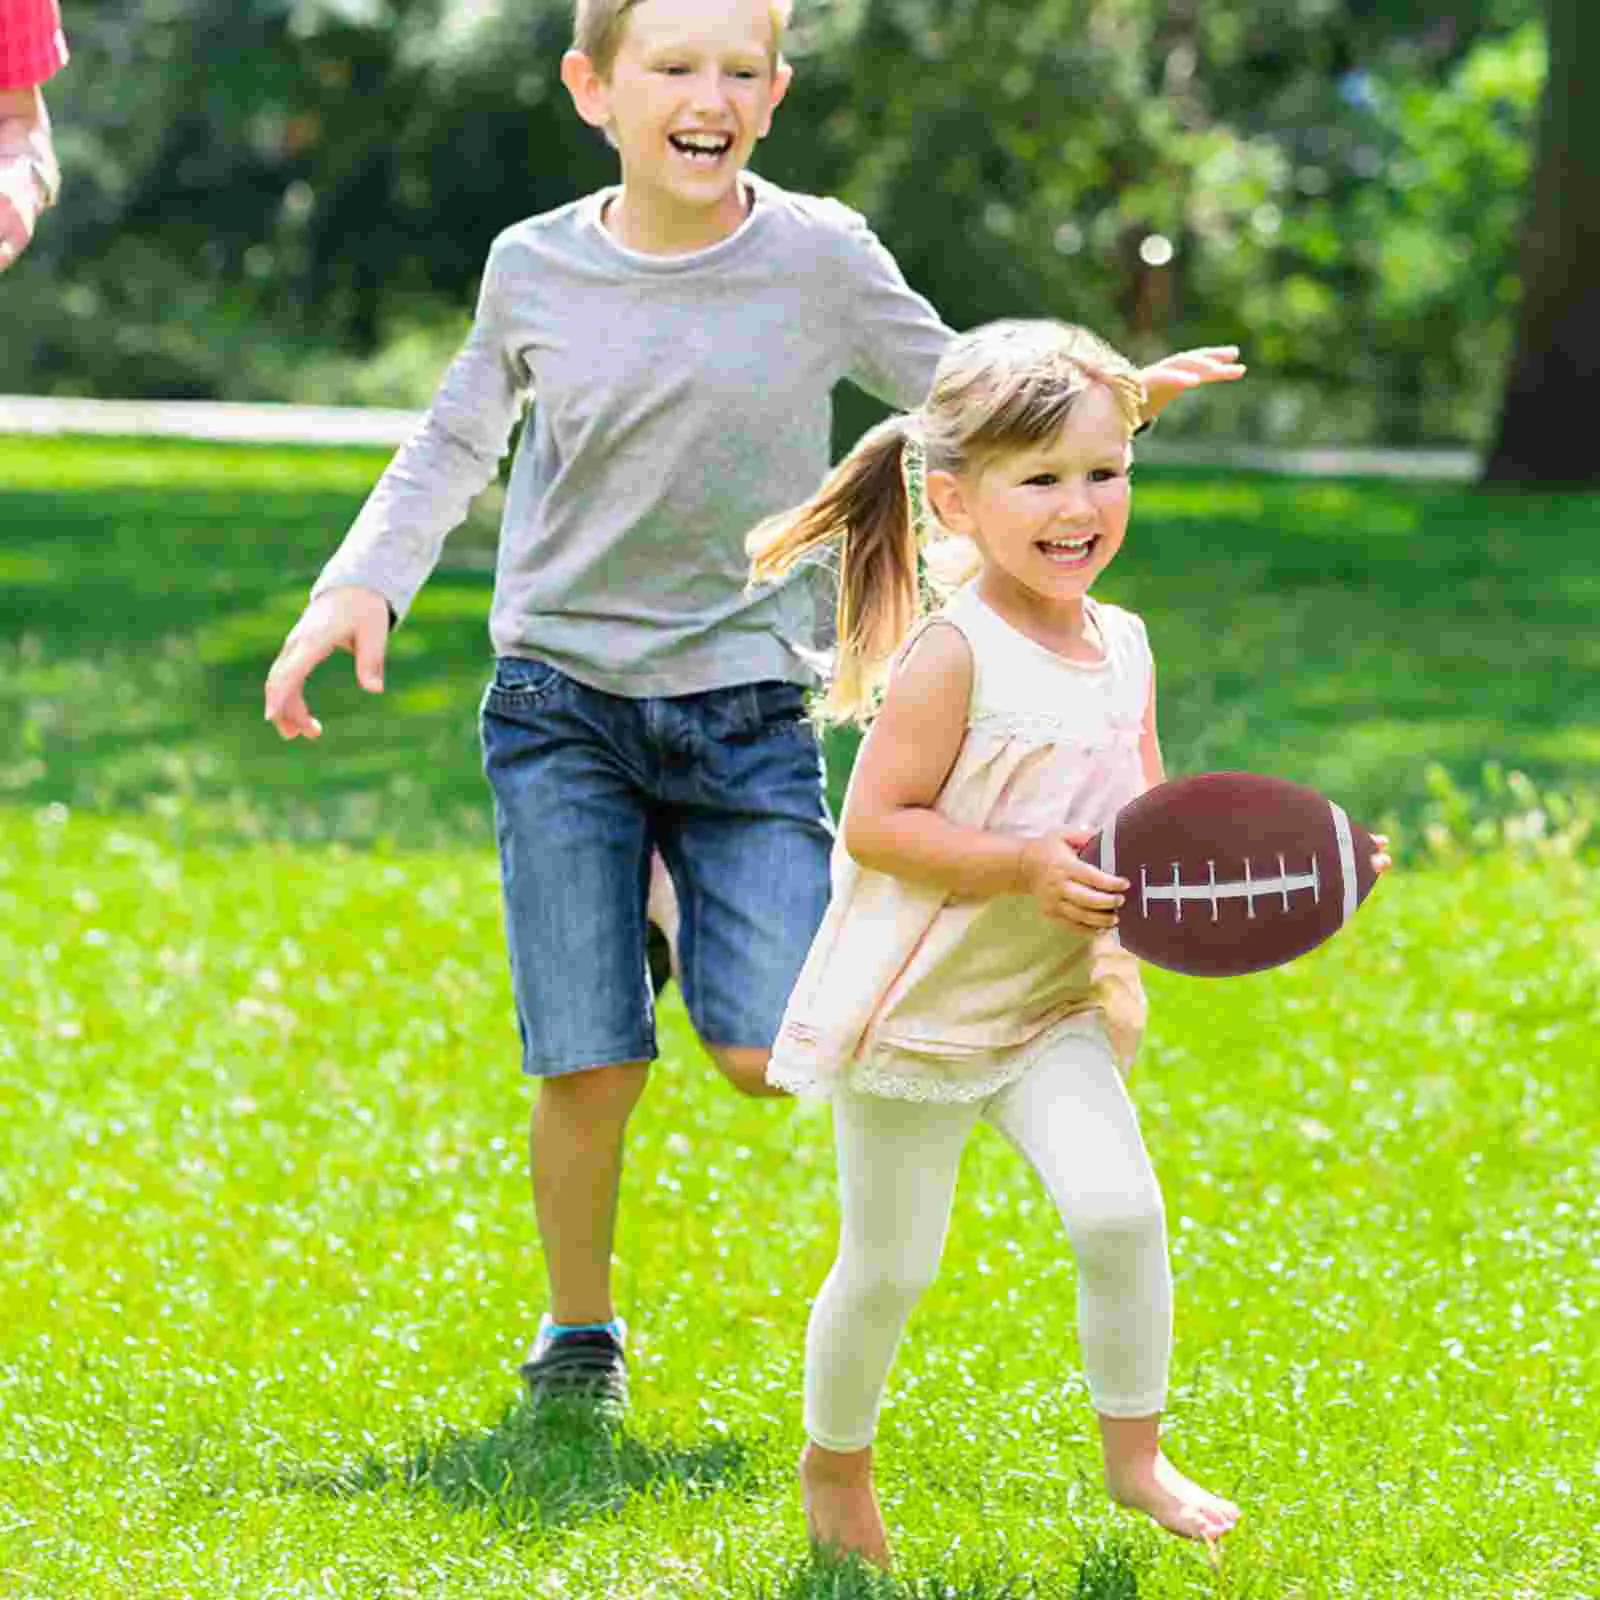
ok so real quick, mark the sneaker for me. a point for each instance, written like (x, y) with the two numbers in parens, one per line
(658, 956)
(587, 1365)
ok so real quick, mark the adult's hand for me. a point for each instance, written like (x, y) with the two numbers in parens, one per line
(28, 174)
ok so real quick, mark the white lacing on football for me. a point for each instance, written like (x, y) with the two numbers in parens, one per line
(1249, 888)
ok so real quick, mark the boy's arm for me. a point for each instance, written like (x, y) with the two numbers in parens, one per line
(896, 335)
(424, 493)
(352, 619)
(426, 489)
(1185, 370)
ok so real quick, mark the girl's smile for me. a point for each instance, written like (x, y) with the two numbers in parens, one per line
(1069, 553)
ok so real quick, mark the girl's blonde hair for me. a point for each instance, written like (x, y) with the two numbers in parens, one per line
(597, 29)
(1004, 387)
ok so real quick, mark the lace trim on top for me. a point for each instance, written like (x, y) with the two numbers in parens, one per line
(875, 1074)
(1041, 727)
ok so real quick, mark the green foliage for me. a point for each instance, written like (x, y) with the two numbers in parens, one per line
(1508, 812)
(326, 177)
(1299, 189)
(1445, 228)
(293, 198)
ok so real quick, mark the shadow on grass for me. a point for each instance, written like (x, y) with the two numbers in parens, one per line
(550, 1469)
(137, 624)
(1107, 1572)
(1343, 634)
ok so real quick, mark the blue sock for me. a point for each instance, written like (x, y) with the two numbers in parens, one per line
(558, 1330)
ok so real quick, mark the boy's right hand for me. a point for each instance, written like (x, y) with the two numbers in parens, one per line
(1069, 889)
(352, 619)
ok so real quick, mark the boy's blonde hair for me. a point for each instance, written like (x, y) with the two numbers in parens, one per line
(1004, 387)
(597, 29)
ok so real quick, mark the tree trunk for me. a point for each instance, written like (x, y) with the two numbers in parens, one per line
(1547, 430)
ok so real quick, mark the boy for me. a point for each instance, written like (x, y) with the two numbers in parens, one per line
(680, 335)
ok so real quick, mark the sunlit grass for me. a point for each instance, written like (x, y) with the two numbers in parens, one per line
(268, 1264)
(267, 1261)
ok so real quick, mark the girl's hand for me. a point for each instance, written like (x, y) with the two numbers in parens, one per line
(1189, 369)
(1067, 888)
(1381, 860)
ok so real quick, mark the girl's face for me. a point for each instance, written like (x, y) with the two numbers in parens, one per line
(1049, 519)
(692, 89)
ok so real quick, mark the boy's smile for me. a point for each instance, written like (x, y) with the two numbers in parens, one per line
(702, 149)
(691, 91)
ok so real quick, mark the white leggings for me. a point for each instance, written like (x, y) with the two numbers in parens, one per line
(1070, 1117)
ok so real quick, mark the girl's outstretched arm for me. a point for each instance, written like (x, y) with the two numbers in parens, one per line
(1189, 369)
(889, 821)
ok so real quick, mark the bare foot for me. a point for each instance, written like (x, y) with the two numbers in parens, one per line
(1156, 1487)
(842, 1514)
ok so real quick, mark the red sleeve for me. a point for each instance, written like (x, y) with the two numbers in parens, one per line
(32, 45)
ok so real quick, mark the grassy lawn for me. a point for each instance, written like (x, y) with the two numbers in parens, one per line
(1343, 634)
(266, 1256)
(268, 1264)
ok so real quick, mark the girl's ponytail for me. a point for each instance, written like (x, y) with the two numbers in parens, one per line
(863, 507)
(1006, 386)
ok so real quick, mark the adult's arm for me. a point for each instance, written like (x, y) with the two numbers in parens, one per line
(32, 50)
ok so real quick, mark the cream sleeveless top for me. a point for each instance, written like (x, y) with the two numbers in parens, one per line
(911, 993)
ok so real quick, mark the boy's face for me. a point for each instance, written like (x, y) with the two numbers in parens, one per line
(692, 89)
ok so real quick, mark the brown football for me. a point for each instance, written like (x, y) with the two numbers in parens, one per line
(1232, 872)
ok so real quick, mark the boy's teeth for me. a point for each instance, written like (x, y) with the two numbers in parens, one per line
(698, 145)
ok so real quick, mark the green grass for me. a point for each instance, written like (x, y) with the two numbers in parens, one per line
(1344, 634)
(268, 1263)
(266, 1257)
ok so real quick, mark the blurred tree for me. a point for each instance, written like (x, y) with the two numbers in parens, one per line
(293, 198)
(1333, 185)
(1544, 432)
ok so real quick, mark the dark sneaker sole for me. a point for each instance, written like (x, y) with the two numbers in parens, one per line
(588, 1368)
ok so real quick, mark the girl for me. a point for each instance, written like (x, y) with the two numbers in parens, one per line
(967, 966)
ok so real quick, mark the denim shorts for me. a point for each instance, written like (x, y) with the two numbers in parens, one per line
(727, 784)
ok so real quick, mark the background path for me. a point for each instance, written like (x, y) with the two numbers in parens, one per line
(349, 425)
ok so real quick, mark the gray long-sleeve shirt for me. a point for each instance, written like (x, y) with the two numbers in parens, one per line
(677, 400)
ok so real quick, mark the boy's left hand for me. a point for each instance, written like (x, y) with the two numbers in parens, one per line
(1189, 369)
(1382, 860)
